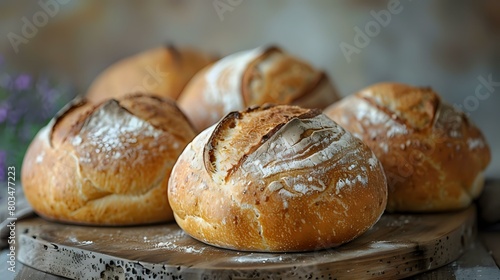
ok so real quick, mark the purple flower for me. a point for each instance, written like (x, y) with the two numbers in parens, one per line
(19, 110)
(23, 82)
(3, 112)
(3, 165)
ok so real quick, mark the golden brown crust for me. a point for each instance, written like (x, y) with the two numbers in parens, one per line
(163, 71)
(254, 77)
(279, 178)
(106, 164)
(432, 154)
(278, 78)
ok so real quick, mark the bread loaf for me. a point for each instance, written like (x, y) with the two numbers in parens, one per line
(280, 178)
(163, 71)
(106, 164)
(254, 77)
(433, 155)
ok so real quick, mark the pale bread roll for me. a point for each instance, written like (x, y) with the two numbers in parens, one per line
(280, 178)
(254, 77)
(106, 164)
(162, 71)
(433, 155)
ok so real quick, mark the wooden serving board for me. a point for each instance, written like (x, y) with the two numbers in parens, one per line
(397, 246)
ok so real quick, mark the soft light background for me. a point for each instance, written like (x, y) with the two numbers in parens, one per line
(444, 44)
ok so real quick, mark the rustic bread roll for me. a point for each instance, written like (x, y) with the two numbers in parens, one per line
(278, 178)
(254, 77)
(433, 156)
(163, 71)
(107, 164)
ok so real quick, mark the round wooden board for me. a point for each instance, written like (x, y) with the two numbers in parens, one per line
(397, 246)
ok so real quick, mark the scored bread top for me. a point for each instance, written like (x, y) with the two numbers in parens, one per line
(106, 163)
(116, 134)
(395, 110)
(277, 77)
(269, 141)
(433, 155)
(222, 154)
(277, 178)
(416, 107)
(254, 77)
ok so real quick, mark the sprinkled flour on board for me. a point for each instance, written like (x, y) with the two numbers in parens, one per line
(170, 245)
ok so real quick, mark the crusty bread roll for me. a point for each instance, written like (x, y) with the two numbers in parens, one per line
(106, 164)
(280, 178)
(163, 71)
(254, 77)
(433, 156)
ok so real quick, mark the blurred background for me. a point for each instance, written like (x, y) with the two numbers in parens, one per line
(51, 50)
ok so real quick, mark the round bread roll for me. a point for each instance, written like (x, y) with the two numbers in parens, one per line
(280, 178)
(163, 71)
(107, 164)
(433, 156)
(254, 77)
